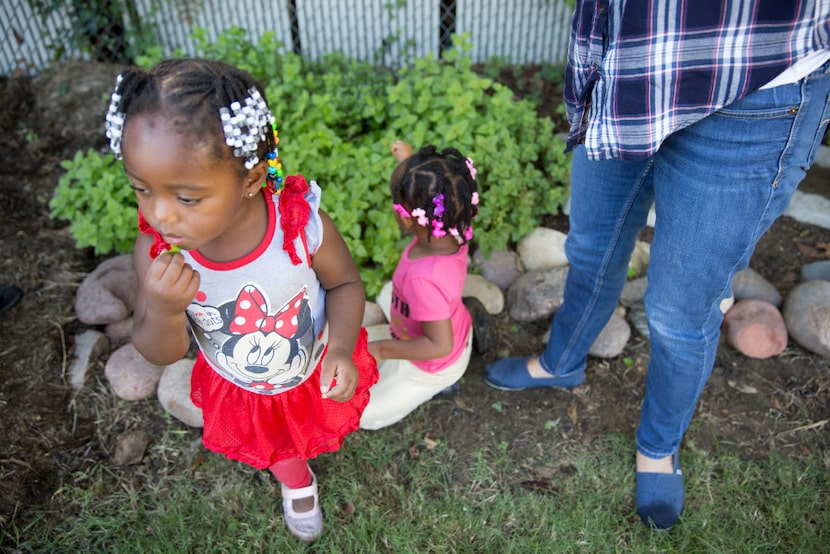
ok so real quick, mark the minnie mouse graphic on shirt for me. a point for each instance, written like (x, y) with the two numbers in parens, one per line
(263, 351)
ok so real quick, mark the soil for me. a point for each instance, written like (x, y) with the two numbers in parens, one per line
(50, 432)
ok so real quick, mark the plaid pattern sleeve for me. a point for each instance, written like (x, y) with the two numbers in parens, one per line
(639, 70)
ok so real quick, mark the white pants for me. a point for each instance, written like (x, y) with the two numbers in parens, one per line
(403, 386)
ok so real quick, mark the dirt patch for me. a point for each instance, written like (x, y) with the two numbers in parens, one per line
(50, 432)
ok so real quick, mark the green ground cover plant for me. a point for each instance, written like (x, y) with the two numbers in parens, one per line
(95, 196)
(337, 120)
(394, 491)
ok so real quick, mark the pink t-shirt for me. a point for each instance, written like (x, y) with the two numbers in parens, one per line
(429, 289)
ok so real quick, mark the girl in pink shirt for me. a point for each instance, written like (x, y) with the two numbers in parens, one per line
(427, 345)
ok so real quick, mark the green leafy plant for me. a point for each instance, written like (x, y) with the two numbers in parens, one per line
(338, 117)
(109, 30)
(95, 196)
(338, 130)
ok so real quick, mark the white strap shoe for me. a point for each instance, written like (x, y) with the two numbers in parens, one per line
(303, 525)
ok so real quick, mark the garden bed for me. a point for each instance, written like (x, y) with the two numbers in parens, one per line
(51, 432)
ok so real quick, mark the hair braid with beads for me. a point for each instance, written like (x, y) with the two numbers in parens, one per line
(189, 93)
(429, 173)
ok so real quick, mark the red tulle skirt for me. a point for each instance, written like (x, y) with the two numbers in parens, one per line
(261, 429)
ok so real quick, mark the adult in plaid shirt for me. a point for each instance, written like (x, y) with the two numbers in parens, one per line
(712, 111)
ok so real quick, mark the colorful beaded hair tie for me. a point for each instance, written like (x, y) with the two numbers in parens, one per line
(420, 214)
(273, 181)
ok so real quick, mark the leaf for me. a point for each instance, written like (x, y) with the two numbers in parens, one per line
(572, 414)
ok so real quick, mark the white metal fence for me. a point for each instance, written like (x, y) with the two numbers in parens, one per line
(389, 32)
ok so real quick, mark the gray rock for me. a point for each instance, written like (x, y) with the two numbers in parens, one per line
(130, 448)
(542, 248)
(174, 393)
(378, 332)
(89, 345)
(634, 291)
(384, 299)
(537, 294)
(490, 296)
(637, 317)
(130, 375)
(501, 268)
(372, 315)
(816, 271)
(751, 285)
(107, 295)
(612, 339)
(120, 330)
(807, 315)
(640, 257)
(823, 156)
(809, 208)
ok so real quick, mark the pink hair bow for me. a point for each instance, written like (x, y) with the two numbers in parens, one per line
(472, 169)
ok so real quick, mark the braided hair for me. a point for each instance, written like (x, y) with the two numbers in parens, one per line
(189, 93)
(418, 182)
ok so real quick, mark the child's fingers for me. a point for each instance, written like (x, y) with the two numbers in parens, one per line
(327, 374)
(170, 283)
(337, 380)
(178, 273)
(401, 150)
(346, 385)
(340, 393)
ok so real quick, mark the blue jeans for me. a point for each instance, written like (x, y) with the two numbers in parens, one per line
(717, 186)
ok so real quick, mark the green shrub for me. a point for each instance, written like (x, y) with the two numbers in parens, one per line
(96, 197)
(338, 118)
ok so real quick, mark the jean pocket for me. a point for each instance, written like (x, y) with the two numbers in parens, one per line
(773, 103)
(793, 115)
(741, 110)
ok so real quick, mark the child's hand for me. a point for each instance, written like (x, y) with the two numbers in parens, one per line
(170, 284)
(338, 369)
(401, 150)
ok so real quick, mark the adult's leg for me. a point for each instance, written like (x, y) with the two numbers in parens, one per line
(610, 201)
(719, 185)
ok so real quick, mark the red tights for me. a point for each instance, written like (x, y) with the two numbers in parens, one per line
(293, 473)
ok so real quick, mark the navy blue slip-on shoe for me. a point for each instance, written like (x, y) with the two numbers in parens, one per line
(660, 497)
(512, 374)
(10, 295)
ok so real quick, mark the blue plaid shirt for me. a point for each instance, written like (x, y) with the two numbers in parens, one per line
(639, 70)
